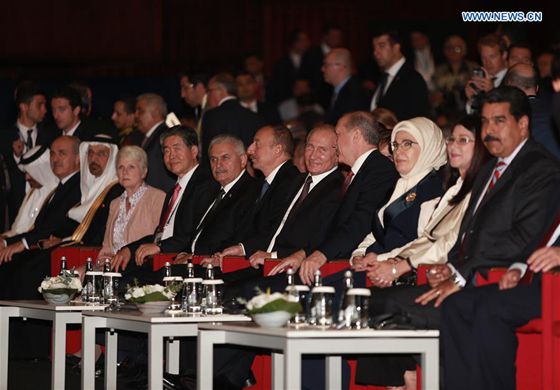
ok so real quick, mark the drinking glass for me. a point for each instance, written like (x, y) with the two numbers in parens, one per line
(298, 293)
(320, 307)
(213, 296)
(354, 313)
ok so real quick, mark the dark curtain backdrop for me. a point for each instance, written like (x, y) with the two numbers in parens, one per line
(150, 41)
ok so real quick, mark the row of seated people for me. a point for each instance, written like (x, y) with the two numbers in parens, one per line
(386, 218)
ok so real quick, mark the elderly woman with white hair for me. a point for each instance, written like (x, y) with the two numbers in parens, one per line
(136, 212)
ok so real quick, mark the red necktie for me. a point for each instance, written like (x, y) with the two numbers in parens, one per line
(500, 166)
(170, 205)
(347, 181)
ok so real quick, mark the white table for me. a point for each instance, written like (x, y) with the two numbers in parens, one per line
(157, 326)
(60, 316)
(293, 343)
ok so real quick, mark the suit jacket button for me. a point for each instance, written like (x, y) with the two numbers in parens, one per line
(471, 231)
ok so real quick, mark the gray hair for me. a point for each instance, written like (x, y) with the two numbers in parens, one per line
(135, 153)
(363, 121)
(226, 138)
(154, 101)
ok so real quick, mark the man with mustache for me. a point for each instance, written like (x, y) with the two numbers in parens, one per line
(511, 201)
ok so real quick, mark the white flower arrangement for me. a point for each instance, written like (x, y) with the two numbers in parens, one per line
(149, 293)
(267, 303)
(66, 283)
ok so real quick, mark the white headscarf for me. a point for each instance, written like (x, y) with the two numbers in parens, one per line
(40, 170)
(90, 185)
(433, 154)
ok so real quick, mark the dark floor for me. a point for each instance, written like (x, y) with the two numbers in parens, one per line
(36, 375)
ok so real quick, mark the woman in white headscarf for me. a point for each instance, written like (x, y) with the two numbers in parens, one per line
(42, 181)
(419, 150)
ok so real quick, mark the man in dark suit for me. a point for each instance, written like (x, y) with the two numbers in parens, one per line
(27, 132)
(511, 200)
(247, 94)
(227, 116)
(52, 220)
(313, 59)
(348, 93)
(177, 220)
(151, 111)
(271, 153)
(66, 110)
(305, 223)
(194, 94)
(401, 88)
(368, 185)
(287, 69)
(227, 219)
(525, 78)
(483, 346)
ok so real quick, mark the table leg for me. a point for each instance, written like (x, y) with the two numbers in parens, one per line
(430, 366)
(88, 352)
(205, 362)
(333, 372)
(111, 347)
(277, 371)
(172, 361)
(59, 353)
(155, 359)
(292, 366)
(4, 342)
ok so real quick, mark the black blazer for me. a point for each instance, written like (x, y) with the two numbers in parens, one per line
(352, 97)
(158, 175)
(85, 131)
(45, 136)
(185, 216)
(307, 227)
(401, 216)
(370, 190)
(96, 231)
(407, 95)
(229, 118)
(53, 218)
(311, 65)
(230, 220)
(511, 215)
(281, 84)
(269, 211)
(268, 113)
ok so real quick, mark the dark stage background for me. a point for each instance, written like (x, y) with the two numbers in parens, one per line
(123, 47)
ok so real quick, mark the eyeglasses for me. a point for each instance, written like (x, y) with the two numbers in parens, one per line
(404, 146)
(460, 140)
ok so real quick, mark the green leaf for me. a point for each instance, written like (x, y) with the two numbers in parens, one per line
(152, 297)
(278, 305)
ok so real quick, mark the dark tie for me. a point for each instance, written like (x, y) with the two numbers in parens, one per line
(29, 141)
(208, 215)
(347, 181)
(382, 85)
(302, 195)
(170, 205)
(264, 188)
(144, 142)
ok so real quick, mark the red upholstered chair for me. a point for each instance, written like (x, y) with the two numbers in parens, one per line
(551, 330)
(75, 257)
(531, 340)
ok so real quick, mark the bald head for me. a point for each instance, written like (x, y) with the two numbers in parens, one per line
(524, 77)
(337, 66)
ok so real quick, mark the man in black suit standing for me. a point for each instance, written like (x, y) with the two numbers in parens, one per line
(193, 92)
(367, 186)
(271, 153)
(177, 220)
(226, 115)
(151, 111)
(27, 132)
(66, 105)
(313, 59)
(348, 93)
(287, 69)
(401, 88)
(247, 94)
